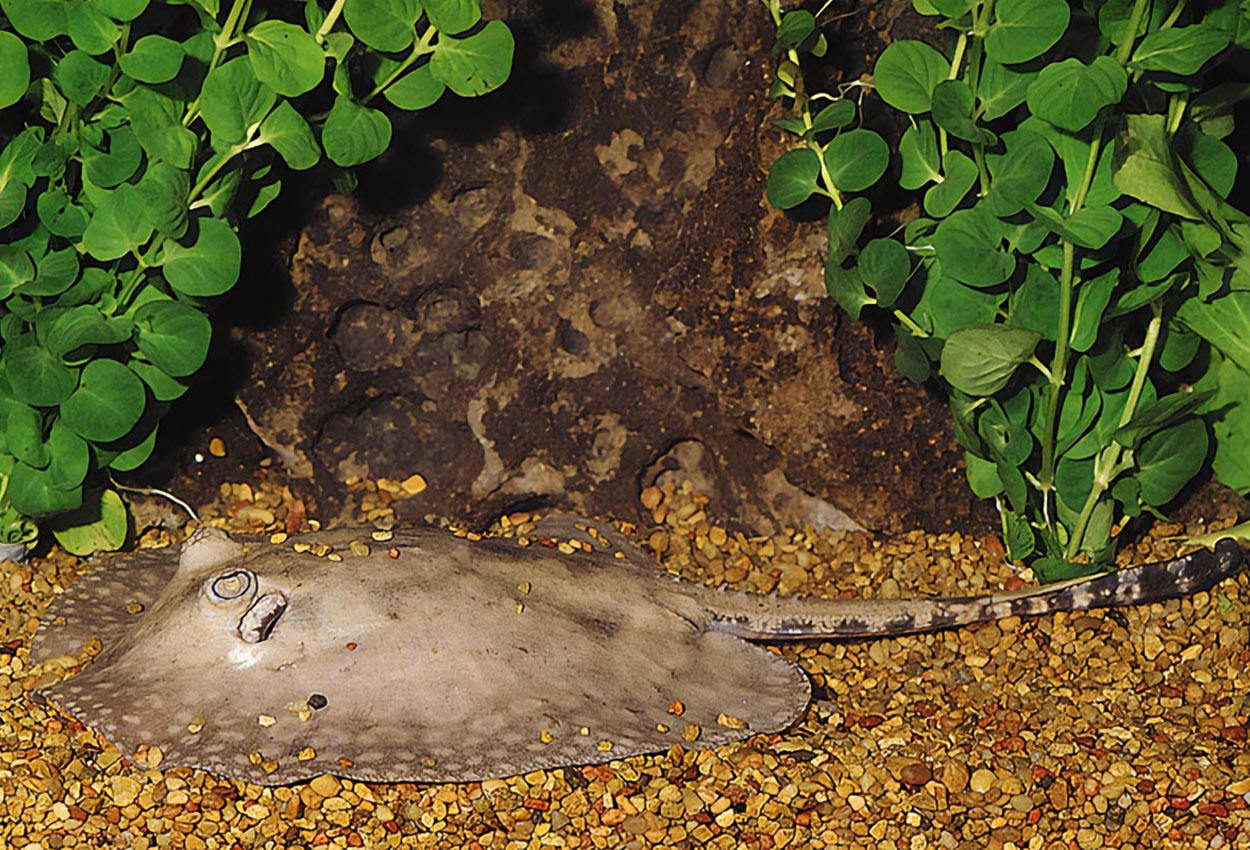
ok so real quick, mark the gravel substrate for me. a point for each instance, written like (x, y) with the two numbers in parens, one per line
(1098, 729)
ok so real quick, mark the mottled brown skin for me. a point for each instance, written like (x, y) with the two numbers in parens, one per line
(458, 660)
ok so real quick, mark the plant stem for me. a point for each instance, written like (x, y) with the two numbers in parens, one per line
(420, 47)
(1129, 39)
(1111, 461)
(332, 18)
(236, 17)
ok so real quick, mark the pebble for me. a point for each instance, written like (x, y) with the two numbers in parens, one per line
(983, 780)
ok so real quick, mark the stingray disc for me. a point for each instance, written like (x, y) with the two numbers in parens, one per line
(451, 661)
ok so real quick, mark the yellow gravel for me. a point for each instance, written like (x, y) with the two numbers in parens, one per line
(1074, 731)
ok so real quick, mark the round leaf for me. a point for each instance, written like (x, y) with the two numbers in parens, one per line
(285, 57)
(980, 359)
(38, 377)
(32, 492)
(475, 64)
(1070, 93)
(884, 266)
(79, 77)
(153, 59)
(109, 400)
(173, 336)
(120, 224)
(418, 89)
(1025, 29)
(906, 74)
(960, 173)
(98, 526)
(1179, 50)
(353, 133)
(452, 16)
(38, 20)
(209, 266)
(291, 137)
(970, 249)
(24, 435)
(792, 179)
(856, 159)
(1169, 460)
(385, 25)
(70, 458)
(14, 69)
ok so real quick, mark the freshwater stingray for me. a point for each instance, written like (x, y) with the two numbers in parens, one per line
(434, 658)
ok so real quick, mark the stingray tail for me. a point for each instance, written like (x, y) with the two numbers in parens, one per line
(772, 618)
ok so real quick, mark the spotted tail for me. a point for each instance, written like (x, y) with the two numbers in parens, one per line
(771, 618)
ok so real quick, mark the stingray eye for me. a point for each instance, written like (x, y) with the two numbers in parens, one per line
(231, 586)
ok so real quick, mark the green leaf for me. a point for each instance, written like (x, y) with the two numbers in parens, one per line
(163, 387)
(1230, 421)
(15, 269)
(979, 360)
(456, 16)
(1213, 160)
(14, 69)
(38, 20)
(120, 224)
(207, 267)
(1025, 29)
(109, 400)
(795, 27)
(417, 89)
(1180, 347)
(946, 305)
(1001, 89)
(38, 377)
(165, 189)
(1146, 171)
(32, 492)
(79, 76)
(353, 134)
(64, 331)
(960, 173)
(846, 287)
(121, 10)
(835, 116)
(793, 178)
(1162, 256)
(982, 476)
(1224, 322)
(131, 453)
(476, 64)
(969, 246)
(922, 162)
(108, 168)
(69, 456)
(884, 266)
(265, 194)
(24, 435)
(1035, 304)
(1159, 414)
(153, 59)
(91, 31)
(1091, 302)
(952, 111)
(906, 74)
(285, 57)
(385, 25)
(1089, 227)
(98, 526)
(289, 134)
(1169, 460)
(1179, 50)
(173, 336)
(1020, 174)
(1019, 536)
(60, 215)
(156, 120)
(856, 159)
(56, 272)
(1069, 94)
(232, 100)
(844, 227)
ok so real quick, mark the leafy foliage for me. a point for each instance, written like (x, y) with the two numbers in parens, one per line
(1077, 254)
(149, 128)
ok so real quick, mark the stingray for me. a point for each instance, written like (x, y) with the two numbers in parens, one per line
(434, 658)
